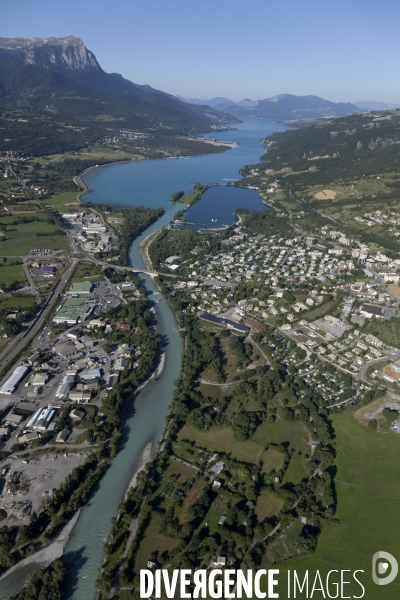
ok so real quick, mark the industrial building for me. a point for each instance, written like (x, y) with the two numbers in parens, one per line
(90, 374)
(80, 397)
(40, 379)
(72, 311)
(42, 418)
(14, 419)
(77, 415)
(62, 436)
(63, 389)
(83, 288)
(12, 382)
(29, 437)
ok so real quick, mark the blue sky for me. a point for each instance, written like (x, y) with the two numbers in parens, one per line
(341, 50)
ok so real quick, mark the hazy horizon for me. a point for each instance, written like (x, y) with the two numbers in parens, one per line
(227, 49)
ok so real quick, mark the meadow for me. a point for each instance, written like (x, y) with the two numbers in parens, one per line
(10, 273)
(368, 496)
(22, 238)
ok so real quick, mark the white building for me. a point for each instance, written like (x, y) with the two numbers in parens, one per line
(63, 388)
(12, 382)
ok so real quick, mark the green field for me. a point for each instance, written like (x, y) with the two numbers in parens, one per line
(181, 470)
(368, 490)
(295, 471)
(10, 273)
(59, 199)
(16, 302)
(153, 540)
(267, 505)
(387, 330)
(272, 461)
(22, 238)
(220, 439)
(87, 272)
(282, 431)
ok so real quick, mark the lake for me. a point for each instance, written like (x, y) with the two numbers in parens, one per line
(151, 183)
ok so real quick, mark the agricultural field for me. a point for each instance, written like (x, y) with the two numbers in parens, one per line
(283, 431)
(11, 273)
(272, 460)
(22, 238)
(221, 439)
(98, 151)
(298, 468)
(368, 496)
(16, 302)
(57, 201)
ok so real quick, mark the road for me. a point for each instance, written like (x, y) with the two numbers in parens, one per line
(382, 283)
(34, 291)
(390, 357)
(37, 324)
(204, 382)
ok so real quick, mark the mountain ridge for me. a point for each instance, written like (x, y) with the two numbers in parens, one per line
(280, 107)
(87, 91)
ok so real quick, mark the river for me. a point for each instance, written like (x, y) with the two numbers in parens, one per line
(151, 183)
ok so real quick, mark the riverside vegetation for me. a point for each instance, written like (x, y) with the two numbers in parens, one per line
(103, 434)
(260, 427)
(274, 497)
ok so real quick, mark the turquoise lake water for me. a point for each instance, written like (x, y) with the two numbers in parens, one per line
(150, 183)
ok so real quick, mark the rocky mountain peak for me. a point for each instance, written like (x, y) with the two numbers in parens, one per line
(50, 53)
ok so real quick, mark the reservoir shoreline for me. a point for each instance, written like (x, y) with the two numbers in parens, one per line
(144, 425)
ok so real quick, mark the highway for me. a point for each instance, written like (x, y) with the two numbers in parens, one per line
(37, 324)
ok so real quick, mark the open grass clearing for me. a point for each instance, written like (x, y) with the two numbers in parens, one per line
(183, 471)
(17, 302)
(87, 271)
(368, 495)
(267, 505)
(296, 470)
(280, 432)
(190, 499)
(318, 312)
(215, 391)
(394, 289)
(60, 199)
(272, 460)
(10, 273)
(388, 331)
(221, 439)
(326, 195)
(153, 541)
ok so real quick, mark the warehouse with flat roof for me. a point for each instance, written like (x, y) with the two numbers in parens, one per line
(81, 287)
(12, 382)
(72, 311)
(42, 418)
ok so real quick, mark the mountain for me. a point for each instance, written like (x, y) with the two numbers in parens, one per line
(62, 75)
(375, 105)
(56, 54)
(219, 103)
(290, 107)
